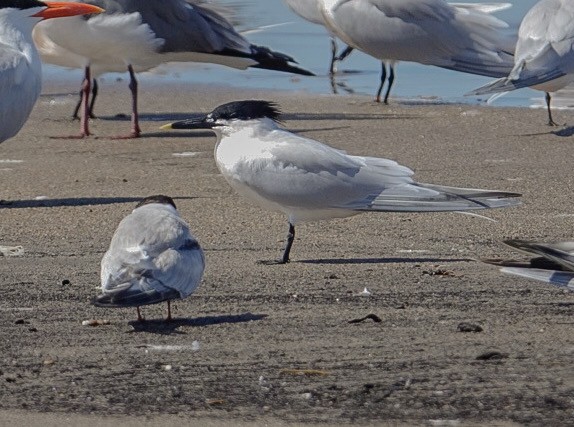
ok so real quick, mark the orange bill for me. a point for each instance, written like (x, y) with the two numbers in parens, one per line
(59, 9)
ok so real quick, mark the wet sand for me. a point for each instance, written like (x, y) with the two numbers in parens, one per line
(275, 343)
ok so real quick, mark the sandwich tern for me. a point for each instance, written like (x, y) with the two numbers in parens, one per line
(307, 180)
(459, 36)
(153, 257)
(20, 66)
(544, 57)
(140, 35)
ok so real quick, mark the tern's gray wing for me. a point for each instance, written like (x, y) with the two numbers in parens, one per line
(295, 171)
(430, 32)
(19, 89)
(151, 258)
(561, 253)
(186, 26)
(544, 51)
(562, 279)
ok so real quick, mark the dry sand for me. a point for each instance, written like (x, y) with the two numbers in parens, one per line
(275, 343)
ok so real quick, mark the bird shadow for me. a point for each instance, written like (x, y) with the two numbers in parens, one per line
(566, 132)
(380, 260)
(164, 327)
(73, 201)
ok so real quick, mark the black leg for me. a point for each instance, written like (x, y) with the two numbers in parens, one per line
(135, 131)
(84, 126)
(551, 122)
(333, 66)
(290, 238)
(169, 318)
(75, 115)
(383, 78)
(344, 53)
(94, 95)
(140, 317)
(390, 83)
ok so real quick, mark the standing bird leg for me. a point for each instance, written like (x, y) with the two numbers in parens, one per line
(168, 318)
(290, 239)
(551, 122)
(135, 131)
(390, 84)
(140, 317)
(95, 88)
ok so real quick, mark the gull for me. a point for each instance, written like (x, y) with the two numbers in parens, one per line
(308, 181)
(309, 10)
(153, 257)
(544, 57)
(458, 36)
(140, 35)
(553, 264)
(20, 66)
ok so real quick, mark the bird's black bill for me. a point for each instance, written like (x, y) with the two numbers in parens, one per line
(193, 123)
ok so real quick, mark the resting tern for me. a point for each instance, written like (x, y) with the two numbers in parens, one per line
(544, 57)
(140, 35)
(458, 36)
(153, 257)
(553, 264)
(309, 10)
(20, 66)
(308, 180)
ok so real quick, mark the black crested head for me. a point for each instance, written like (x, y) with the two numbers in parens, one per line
(158, 198)
(246, 110)
(21, 4)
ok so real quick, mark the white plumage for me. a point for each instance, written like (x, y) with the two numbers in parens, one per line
(307, 180)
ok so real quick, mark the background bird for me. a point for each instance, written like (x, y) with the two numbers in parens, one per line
(140, 35)
(20, 66)
(309, 10)
(152, 257)
(554, 262)
(308, 181)
(544, 57)
(458, 36)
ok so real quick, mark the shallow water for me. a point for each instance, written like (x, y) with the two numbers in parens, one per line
(310, 45)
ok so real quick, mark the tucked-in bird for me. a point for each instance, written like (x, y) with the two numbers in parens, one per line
(544, 57)
(458, 36)
(20, 66)
(309, 10)
(153, 257)
(308, 180)
(553, 264)
(139, 35)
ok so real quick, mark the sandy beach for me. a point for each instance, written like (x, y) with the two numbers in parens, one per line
(273, 345)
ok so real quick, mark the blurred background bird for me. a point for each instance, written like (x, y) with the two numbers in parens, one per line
(136, 35)
(20, 66)
(544, 58)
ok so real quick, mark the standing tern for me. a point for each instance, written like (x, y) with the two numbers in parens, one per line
(554, 262)
(309, 181)
(458, 36)
(140, 35)
(544, 57)
(309, 10)
(20, 66)
(152, 258)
